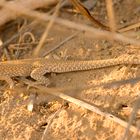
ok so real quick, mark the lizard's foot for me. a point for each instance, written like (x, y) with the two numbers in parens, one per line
(33, 84)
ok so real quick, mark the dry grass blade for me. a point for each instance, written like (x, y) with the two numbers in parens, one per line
(131, 119)
(130, 27)
(110, 12)
(46, 32)
(49, 124)
(61, 43)
(118, 83)
(84, 11)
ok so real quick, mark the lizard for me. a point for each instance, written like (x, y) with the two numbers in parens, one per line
(36, 68)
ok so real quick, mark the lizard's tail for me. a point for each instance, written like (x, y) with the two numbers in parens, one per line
(67, 66)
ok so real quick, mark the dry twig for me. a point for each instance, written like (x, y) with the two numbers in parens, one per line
(131, 119)
(110, 12)
(87, 106)
(61, 43)
(46, 32)
(86, 13)
(49, 123)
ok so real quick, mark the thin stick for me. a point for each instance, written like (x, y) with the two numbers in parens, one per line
(49, 123)
(130, 27)
(87, 106)
(131, 119)
(45, 34)
(83, 10)
(61, 43)
(110, 12)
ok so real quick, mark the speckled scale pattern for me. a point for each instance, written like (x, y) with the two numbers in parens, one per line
(12, 70)
(61, 66)
(36, 68)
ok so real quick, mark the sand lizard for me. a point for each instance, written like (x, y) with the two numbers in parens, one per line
(36, 68)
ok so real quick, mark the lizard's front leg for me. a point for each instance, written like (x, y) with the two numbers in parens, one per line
(38, 75)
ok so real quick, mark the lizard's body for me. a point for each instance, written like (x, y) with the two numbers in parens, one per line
(36, 68)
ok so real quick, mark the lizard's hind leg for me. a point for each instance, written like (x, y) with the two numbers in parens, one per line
(38, 75)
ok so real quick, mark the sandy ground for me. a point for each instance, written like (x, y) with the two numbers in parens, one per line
(72, 121)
